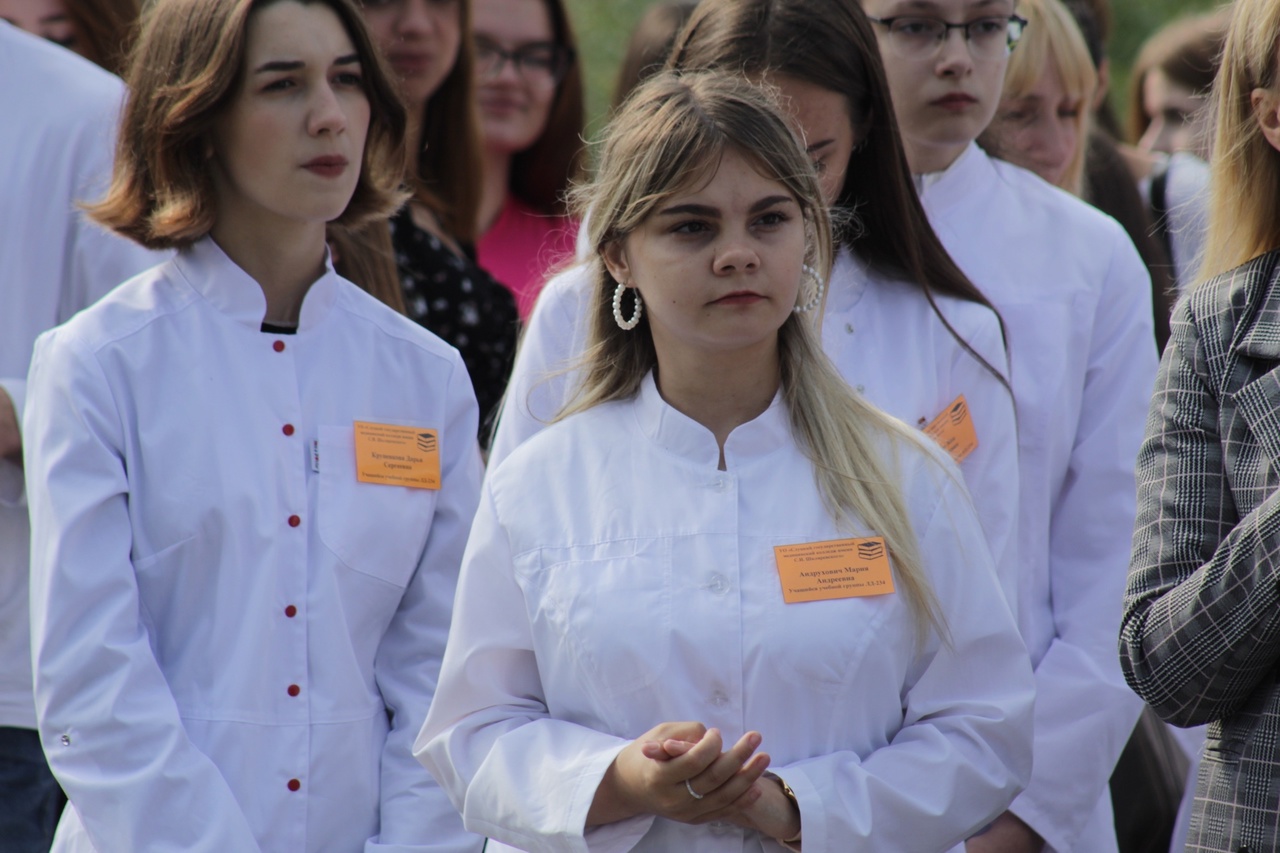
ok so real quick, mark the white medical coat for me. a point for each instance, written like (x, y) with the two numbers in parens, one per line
(57, 138)
(221, 633)
(1076, 301)
(884, 338)
(615, 579)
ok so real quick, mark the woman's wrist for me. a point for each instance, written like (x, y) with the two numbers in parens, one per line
(789, 837)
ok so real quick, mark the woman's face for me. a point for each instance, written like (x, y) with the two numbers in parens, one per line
(1179, 119)
(944, 96)
(1039, 131)
(420, 39)
(45, 18)
(517, 70)
(289, 146)
(822, 116)
(718, 265)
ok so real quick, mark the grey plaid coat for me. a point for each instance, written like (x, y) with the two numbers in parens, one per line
(1200, 641)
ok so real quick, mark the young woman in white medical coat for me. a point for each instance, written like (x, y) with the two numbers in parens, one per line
(902, 323)
(623, 573)
(1076, 301)
(250, 483)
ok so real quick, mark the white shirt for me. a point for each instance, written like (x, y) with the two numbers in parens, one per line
(216, 624)
(1076, 302)
(56, 142)
(884, 338)
(637, 585)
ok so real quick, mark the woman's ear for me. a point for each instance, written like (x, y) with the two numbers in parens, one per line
(1266, 110)
(615, 261)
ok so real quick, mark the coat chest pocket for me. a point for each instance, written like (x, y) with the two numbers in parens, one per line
(376, 530)
(608, 606)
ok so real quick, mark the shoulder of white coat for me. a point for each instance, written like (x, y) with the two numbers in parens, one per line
(130, 307)
(1076, 223)
(358, 305)
(924, 472)
(59, 89)
(562, 454)
(563, 298)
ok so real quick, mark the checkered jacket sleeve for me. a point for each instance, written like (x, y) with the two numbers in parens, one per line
(1201, 627)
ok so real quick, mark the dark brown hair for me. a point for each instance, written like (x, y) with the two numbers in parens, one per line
(185, 68)
(829, 43)
(650, 43)
(104, 30)
(446, 173)
(1187, 51)
(542, 173)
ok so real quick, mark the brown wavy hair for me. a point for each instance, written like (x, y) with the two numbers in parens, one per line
(185, 68)
(105, 30)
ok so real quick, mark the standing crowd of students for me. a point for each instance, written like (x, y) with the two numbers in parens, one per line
(376, 476)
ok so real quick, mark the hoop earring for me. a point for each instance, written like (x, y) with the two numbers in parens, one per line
(817, 284)
(626, 325)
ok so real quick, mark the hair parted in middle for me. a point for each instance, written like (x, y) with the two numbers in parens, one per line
(829, 43)
(669, 137)
(186, 66)
(1053, 39)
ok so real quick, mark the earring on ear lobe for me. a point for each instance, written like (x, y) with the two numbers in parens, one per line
(624, 324)
(816, 284)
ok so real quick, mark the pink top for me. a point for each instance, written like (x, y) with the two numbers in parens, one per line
(522, 246)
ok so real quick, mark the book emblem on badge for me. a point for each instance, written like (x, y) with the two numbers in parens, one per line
(870, 550)
(426, 442)
(958, 412)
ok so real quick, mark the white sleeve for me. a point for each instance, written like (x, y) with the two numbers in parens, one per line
(1085, 711)
(107, 720)
(416, 815)
(991, 470)
(964, 749)
(540, 381)
(516, 775)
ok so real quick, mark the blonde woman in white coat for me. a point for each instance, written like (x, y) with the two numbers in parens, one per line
(903, 325)
(250, 482)
(630, 567)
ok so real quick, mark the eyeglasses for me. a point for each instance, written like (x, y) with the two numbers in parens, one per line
(912, 37)
(537, 62)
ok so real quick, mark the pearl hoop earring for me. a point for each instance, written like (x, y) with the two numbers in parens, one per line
(818, 286)
(625, 324)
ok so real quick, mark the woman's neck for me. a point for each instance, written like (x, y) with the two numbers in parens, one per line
(493, 188)
(284, 264)
(722, 391)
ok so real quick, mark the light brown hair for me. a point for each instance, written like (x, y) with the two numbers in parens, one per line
(104, 30)
(669, 136)
(185, 68)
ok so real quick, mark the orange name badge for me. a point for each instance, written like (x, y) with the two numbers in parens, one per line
(397, 455)
(953, 430)
(839, 568)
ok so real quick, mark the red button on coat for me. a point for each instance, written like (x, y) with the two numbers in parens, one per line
(294, 784)
(294, 521)
(291, 611)
(294, 690)
(278, 346)
(287, 429)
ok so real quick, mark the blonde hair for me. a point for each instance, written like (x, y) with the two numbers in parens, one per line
(669, 136)
(1052, 36)
(184, 70)
(1244, 221)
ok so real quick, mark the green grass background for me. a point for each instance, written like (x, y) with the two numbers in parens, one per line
(603, 27)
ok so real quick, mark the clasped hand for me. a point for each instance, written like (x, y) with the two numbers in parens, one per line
(649, 776)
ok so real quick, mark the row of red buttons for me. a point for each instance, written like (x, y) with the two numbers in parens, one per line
(290, 611)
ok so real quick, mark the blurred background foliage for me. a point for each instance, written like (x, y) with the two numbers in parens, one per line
(603, 27)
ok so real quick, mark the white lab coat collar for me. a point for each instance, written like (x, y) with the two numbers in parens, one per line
(681, 435)
(971, 170)
(233, 292)
(848, 282)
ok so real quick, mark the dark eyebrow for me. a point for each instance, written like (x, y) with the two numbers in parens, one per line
(770, 201)
(694, 209)
(295, 64)
(818, 146)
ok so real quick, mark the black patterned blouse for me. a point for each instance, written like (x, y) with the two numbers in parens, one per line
(456, 299)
